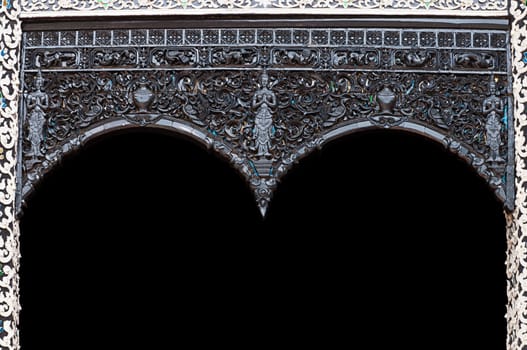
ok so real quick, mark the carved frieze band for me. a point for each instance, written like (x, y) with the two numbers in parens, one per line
(10, 42)
(264, 6)
(340, 49)
(268, 104)
(267, 118)
(429, 38)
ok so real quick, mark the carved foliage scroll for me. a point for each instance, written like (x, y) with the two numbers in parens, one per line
(10, 40)
(189, 5)
(517, 220)
(280, 105)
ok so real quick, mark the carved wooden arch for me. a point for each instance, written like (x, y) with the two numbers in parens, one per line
(454, 147)
(245, 167)
(266, 96)
(460, 55)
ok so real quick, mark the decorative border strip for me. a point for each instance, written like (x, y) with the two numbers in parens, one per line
(10, 40)
(517, 220)
(65, 8)
(335, 37)
(10, 36)
(323, 49)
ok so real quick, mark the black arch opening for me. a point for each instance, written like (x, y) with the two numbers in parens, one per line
(420, 234)
(381, 237)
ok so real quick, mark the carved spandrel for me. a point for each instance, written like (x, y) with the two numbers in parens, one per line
(324, 99)
(269, 119)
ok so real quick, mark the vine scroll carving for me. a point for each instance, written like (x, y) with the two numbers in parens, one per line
(266, 97)
(10, 58)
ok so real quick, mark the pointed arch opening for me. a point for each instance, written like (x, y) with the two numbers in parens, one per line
(123, 242)
(376, 226)
(408, 238)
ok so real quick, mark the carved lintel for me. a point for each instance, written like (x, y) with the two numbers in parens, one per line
(271, 118)
(277, 48)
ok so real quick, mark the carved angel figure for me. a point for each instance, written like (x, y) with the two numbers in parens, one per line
(493, 107)
(37, 102)
(493, 137)
(492, 103)
(263, 101)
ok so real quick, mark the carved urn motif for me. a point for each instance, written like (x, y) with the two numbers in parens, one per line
(143, 96)
(386, 100)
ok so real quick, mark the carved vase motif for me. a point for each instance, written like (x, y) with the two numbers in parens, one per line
(143, 97)
(386, 100)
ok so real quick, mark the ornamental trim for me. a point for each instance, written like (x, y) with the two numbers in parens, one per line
(53, 8)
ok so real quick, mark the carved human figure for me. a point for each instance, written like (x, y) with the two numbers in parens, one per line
(493, 107)
(264, 100)
(37, 102)
(493, 102)
(493, 137)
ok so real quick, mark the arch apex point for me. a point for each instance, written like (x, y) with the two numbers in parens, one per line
(262, 207)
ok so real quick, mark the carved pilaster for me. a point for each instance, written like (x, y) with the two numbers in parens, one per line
(517, 220)
(10, 58)
(425, 7)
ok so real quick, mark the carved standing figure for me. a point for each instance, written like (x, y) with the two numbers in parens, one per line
(264, 100)
(37, 102)
(493, 102)
(493, 137)
(493, 108)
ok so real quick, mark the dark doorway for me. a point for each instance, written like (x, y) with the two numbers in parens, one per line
(144, 239)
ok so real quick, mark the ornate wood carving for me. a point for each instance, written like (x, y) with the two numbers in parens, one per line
(247, 5)
(10, 58)
(266, 97)
(517, 219)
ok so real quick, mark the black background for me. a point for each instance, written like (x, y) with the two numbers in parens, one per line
(381, 238)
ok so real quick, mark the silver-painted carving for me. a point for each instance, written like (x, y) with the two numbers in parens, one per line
(264, 100)
(37, 102)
